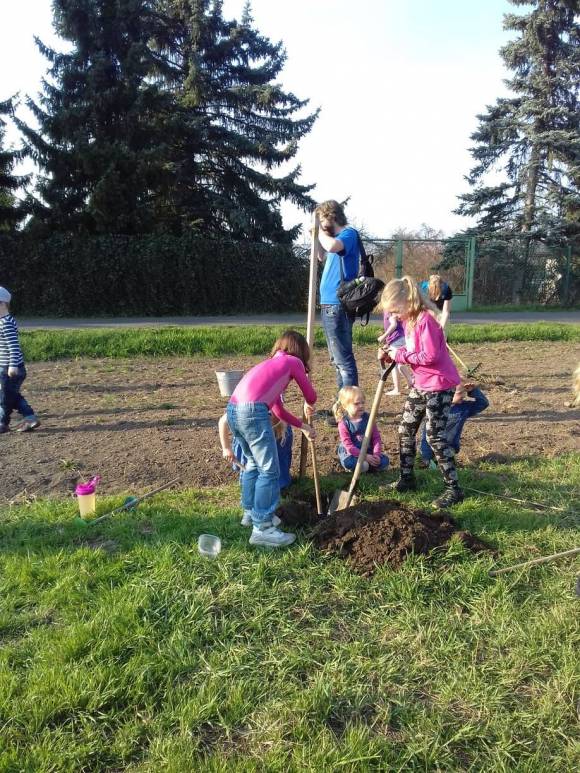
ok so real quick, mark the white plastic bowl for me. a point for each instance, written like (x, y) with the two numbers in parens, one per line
(208, 545)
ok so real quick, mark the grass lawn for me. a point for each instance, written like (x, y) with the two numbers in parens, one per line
(43, 345)
(140, 655)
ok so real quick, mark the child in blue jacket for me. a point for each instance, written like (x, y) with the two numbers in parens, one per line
(461, 410)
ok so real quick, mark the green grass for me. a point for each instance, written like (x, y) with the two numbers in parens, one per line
(42, 345)
(142, 656)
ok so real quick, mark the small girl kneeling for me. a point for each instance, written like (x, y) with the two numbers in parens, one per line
(349, 411)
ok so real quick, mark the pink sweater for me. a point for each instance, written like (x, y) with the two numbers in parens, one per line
(426, 352)
(265, 382)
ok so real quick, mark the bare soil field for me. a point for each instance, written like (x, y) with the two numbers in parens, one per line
(139, 423)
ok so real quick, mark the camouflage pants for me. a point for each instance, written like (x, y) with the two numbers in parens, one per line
(435, 407)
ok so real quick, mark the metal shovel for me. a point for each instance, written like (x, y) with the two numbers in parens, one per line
(342, 499)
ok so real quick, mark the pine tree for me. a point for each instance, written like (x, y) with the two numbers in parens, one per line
(236, 123)
(532, 135)
(11, 211)
(104, 123)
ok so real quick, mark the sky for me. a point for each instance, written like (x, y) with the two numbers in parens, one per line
(399, 84)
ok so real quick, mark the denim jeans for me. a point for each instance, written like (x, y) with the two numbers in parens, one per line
(251, 426)
(349, 462)
(337, 326)
(10, 397)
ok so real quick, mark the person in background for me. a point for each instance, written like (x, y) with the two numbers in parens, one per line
(394, 336)
(12, 372)
(461, 410)
(440, 294)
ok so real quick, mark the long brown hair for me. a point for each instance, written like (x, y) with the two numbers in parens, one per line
(435, 287)
(293, 342)
(404, 291)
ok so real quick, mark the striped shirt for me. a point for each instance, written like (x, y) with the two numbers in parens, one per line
(10, 351)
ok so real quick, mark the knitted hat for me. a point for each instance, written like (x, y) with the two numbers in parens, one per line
(4, 295)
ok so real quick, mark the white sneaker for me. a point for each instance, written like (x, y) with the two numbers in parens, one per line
(271, 537)
(247, 520)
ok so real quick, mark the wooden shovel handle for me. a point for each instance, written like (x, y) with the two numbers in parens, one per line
(368, 433)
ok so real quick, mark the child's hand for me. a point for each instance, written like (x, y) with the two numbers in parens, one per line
(228, 455)
(12, 371)
(383, 356)
(373, 459)
(308, 411)
(308, 431)
(382, 337)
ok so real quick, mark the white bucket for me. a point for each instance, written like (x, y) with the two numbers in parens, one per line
(228, 381)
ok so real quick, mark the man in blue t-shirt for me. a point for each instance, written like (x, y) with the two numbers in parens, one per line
(338, 242)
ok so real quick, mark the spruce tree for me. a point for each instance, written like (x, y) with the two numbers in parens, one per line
(11, 211)
(236, 123)
(104, 123)
(532, 135)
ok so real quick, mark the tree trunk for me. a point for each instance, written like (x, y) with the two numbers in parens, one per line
(528, 219)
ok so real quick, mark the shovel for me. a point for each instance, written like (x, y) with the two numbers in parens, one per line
(316, 479)
(469, 372)
(342, 499)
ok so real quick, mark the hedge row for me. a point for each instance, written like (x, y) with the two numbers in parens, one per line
(67, 275)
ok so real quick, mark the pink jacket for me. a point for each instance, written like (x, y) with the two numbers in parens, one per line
(265, 382)
(426, 352)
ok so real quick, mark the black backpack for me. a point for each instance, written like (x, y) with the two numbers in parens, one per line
(359, 296)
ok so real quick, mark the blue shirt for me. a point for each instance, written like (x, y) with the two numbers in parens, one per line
(331, 274)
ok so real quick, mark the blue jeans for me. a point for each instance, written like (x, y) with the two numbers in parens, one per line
(251, 427)
(10, 397)
(349, 462)
(338, 331)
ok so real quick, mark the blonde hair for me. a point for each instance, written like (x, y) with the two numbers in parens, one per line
(576, 387)
(280, 427)
(405, 291)
(435, 287)
(346, 396)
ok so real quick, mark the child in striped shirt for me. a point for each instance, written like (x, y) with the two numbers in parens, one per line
(12, 371)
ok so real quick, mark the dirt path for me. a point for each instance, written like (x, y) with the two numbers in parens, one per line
(140, 423)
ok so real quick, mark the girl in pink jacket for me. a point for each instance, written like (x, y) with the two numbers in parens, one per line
(435, 379)
(258, 393)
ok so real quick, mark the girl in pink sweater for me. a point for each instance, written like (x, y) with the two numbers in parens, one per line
(349, 411)
(435, 379)
(260, 391)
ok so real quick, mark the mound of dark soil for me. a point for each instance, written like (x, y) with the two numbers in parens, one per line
(375, 533)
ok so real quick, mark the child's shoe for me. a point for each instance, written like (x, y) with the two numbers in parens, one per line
(28, 424)
(271, 537)
(404, 484)
(451, 496)
(247, 520)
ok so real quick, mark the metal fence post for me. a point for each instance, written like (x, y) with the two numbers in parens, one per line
(399, 259)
